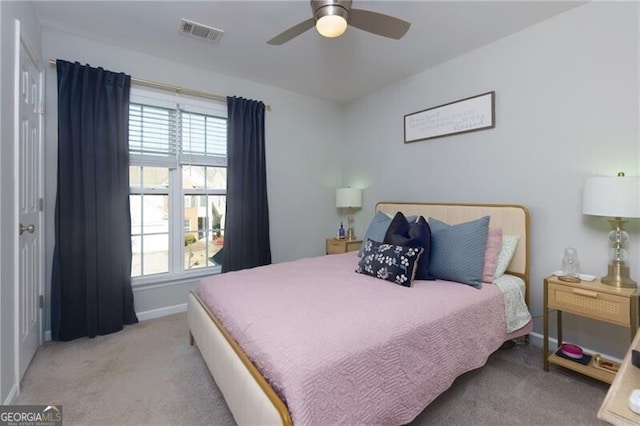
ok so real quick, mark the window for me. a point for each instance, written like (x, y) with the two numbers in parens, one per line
(178, 183)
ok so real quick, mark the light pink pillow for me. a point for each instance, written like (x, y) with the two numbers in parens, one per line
(491, 251)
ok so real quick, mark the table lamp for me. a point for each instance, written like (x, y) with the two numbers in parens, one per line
(617, 197)
(349, 198)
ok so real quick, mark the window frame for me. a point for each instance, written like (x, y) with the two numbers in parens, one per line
(176, 192)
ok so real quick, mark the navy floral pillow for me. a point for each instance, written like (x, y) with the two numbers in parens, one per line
(389, 262)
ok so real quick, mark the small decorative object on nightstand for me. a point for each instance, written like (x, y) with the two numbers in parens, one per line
(570, 263)
(336, 246)
(591, 299)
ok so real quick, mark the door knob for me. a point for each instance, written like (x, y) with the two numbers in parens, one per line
(27, 228)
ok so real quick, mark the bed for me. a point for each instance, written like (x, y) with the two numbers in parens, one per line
(287, 350)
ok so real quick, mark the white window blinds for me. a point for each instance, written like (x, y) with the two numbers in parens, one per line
(153, 134)
(166, 130)
(203, 139)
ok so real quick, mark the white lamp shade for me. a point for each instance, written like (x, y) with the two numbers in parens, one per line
(613, 196)
(348, 197)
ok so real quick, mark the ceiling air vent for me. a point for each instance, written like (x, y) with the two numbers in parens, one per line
(193, 29)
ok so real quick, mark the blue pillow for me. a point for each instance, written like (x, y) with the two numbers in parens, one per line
(378, 228)
(401, 232)
(389, 262)
(457, 251)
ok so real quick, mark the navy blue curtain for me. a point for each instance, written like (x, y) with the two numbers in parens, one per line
(91, 278)
(246, 238)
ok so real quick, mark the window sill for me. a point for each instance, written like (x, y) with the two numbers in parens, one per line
(162, 280)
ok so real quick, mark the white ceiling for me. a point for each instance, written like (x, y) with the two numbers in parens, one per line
(338, 69)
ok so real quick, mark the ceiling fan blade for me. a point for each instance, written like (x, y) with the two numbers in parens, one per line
(292, 32)
(378, 23)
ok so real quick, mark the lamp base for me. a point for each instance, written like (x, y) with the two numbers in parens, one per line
(618, 276)
(351, 235)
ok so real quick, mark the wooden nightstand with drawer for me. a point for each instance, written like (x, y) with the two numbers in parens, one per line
(590, 299)
(336, 246)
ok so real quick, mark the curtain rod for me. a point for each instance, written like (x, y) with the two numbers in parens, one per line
(177, 89)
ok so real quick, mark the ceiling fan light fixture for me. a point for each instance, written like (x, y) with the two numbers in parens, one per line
(331, 17)
(331, 26)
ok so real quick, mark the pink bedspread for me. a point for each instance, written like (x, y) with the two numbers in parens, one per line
(341, 347)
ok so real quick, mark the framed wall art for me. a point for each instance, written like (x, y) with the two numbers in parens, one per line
(462, 116)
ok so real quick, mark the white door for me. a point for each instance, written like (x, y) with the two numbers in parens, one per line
(29, 79)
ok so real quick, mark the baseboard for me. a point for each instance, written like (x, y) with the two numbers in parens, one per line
(537, 339)
(146, 315)
(161, 312)
(11, 397)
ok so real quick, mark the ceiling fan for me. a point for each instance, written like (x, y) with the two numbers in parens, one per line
(331, 18)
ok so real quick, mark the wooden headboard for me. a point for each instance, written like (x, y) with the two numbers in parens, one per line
(513, 219)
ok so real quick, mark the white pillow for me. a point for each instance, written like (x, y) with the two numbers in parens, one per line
(508, 249)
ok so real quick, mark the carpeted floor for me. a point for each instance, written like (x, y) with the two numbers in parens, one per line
(148, 374)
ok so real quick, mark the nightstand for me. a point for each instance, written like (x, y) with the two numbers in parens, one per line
(590, 299)
(336, 246)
